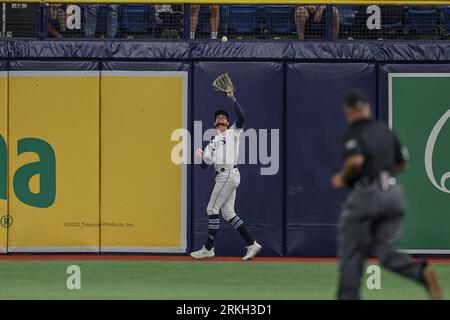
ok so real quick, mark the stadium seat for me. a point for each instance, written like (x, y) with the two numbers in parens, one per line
(243, 18)
(346, 16)
(446, 18)
(101, 18)
(279, 18)
(346, 19)
(137, 18)
(392, 18)
(423, 20)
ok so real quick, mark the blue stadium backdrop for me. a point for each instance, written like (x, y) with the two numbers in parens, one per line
(292, 87)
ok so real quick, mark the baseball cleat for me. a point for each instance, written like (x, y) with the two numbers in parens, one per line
(252, 251)
(432, 284)
(203, 253)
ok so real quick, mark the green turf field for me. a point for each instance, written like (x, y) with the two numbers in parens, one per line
(193, 280)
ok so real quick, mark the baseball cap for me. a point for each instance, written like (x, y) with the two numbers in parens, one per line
(223, 112)
(355, 99)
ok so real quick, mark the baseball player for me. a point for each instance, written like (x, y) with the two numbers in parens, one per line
(222, 151)
(373, 211)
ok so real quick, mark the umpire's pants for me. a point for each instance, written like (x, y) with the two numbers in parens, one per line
(370, 224)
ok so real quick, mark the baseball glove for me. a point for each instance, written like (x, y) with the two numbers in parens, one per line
(223, 84)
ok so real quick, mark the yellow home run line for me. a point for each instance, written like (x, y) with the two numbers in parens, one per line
(294, 2)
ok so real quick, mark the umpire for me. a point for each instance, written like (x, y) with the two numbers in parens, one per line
(373, 211)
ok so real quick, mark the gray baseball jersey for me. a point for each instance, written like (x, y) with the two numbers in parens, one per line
(223, 149)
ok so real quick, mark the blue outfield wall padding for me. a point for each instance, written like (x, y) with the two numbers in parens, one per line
(242, 50)
(333, 51)
(413, 51)
(314, 122)
(259, 201)
(296, 87)
(145, 66)
(5, 51)
(98, 49)
(383, 80)
(207, 49)
(36, 65)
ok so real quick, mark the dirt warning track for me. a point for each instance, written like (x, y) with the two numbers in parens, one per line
(126, 257)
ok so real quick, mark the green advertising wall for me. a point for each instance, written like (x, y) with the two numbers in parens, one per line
(419, 112)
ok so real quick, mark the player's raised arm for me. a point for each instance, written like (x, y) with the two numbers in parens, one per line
(238, 109)
(224, 85)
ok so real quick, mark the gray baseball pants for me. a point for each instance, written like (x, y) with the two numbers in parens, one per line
(370, 224)
(223, 195)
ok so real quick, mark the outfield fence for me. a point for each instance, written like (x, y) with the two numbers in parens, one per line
(86, 122)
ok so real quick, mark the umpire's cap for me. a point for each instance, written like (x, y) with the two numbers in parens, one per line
(223, 112)
(355, 99)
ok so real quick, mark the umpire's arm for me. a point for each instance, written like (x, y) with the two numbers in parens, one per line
(401, 156)
(352, 167)
(353, 162)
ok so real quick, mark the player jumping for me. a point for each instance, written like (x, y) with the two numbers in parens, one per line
(222, 151)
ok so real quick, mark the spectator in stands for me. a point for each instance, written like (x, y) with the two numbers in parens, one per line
(63, 20)
(195, 10)
(359, 29)
(171, 17)
(56, 19)
(111, 21)
(306, 16)
(392, 15)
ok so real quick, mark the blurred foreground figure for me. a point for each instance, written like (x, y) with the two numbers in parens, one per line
(374, 209)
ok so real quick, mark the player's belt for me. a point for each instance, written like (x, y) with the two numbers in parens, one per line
(364, 182)
(220, 170)
(385, 180)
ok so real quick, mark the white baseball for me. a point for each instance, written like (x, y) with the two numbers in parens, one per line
(224, 39)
